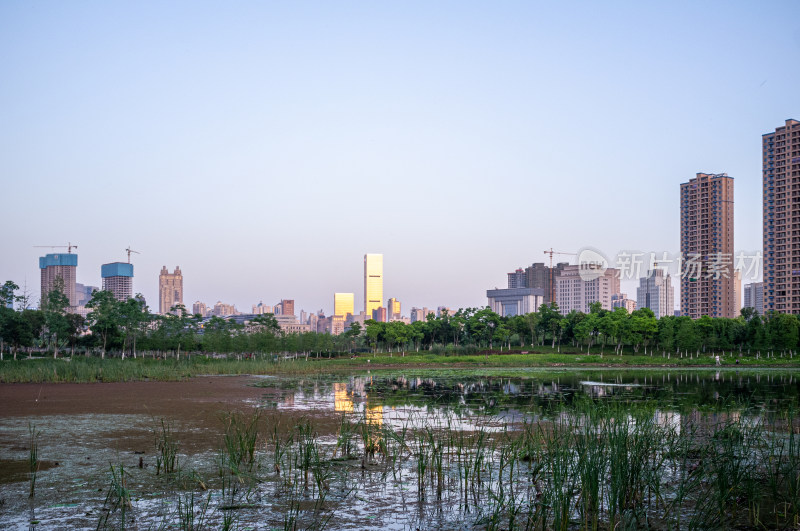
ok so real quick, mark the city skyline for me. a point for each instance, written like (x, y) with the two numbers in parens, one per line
(442, 117)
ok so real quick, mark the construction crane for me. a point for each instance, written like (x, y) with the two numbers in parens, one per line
(551, 252)
(129, 250)
(69, 247)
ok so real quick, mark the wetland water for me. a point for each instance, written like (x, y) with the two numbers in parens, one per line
(429, 449)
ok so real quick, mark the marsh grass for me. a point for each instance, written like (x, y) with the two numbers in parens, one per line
(92, 369)
(33, 457)
(586, 465)
(166, 448)
(240, 439)
(118, 498)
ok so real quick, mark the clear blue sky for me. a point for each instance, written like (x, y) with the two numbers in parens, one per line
(266, 146)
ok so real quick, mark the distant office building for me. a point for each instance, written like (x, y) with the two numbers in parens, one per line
(343, 304)
(84, 293)
(118, 279)
(373, 282)
(200, 308)
(223, 310)
(621, 300)
(290, 325)
(287, 307)
(337, 325)
(575, 293)
(261, 308)
(517, 279)
(707, 246)
(61, 266)
(539, 276)
(380, 314)
(442, 310)
(514, 301)
(754, 297)
(780, 159)
(170, 289)
(359, 318)
(655, 292)
(393, 309)
(420, 314)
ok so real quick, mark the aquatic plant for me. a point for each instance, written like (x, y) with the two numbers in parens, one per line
(33, 457)
(166, 448)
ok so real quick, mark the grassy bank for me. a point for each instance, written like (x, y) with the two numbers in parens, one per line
(81, 369)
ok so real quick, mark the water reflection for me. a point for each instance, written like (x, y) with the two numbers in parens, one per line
(439, 395)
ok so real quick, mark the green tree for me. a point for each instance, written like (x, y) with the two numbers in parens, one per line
(132, 314)
(687, 336)
(105, 318)
(666, 333)
(550, 320)
(55, 305)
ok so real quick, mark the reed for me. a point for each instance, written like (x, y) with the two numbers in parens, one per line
(166, 448)
(118, 498)
(33, 458)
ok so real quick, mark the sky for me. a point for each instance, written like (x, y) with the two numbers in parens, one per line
(265, 147)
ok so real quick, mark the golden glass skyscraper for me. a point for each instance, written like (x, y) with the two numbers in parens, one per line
(373, 283)
(343, 303)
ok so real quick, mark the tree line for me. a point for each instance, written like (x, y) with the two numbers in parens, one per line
(127, 327)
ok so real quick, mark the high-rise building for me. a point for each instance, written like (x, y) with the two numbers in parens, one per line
(621, 300)
(754, 296)
(118, 279)
(393, 309)
(655, 292)
(170, 289)
(707, 284)
(441, 311)
(737, 292)
(780, 159)
(84, 293)
(261, 308)
(575, 293)
(200, 308)
(343, 304)
(373, 282)
(517, 279)
(419, 314)
(61, 266)
(222, 310)
(539, 276)
(287, 306)
(379, 314)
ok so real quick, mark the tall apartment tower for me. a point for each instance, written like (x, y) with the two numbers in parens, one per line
(393, 309)
(754, 297)
(118, 279)
(373, 282)
(170, 289)
(707, 283)
(517, 279)
(655, 292)
(62, 266)
(780, 159)
(575, 293)
(539, 276)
